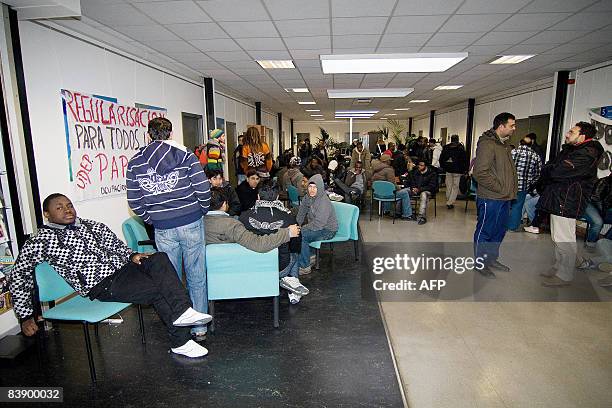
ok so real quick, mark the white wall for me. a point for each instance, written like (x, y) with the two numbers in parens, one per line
(53, 61)
(337, 129)
(234, 110)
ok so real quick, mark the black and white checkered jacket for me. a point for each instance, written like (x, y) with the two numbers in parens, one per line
(83, 255)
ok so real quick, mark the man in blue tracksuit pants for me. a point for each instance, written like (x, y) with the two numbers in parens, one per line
(495, 173)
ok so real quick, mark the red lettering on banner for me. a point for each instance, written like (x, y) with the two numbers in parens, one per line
(111, 114)
(120, 110)
(124, 163)
(86, 112)
(85, 167)
(140, 121)
(69, 98)
(102, 163)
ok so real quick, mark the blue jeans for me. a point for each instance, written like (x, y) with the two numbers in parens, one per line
(516, 210)
(404, 194)
(491, 227)
(530, 206)
(596, 222)
(188, 243)
(292, 269)
(309, 236)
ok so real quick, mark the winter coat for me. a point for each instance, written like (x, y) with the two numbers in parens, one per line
(453, 158)
(601, 197)
(569, 178)
(427, 181)
(293, 177)
(494, 169)
(365, 157)
(382, 170)
(259, 160)
(233, 201)
(321, 214)
(435, 155)
(246, 195)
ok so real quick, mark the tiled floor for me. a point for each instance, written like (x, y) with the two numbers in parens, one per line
(494, 354)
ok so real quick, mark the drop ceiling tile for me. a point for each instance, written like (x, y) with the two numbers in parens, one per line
(453, 39)
(553, 37)
(171, 12)
(603, 5)
(171, 46)
(485, 50)
(223, 44)
(261, 44)
(488, 6)
(361, 8)
(358, 25)
(393, 50)
(404, 40)
(505, 37)
(360, 50)
(245, 29)
(549, 6)
(245, 65)
(415, 24)
(270, 55)
(309, 54)
(228, 55)
(572, 48)
(297, 9)
(426, 7)
(585, 22)
(355, 41)
(523, 49)
(147, 33)
(188, 56)
(117, 15)
(307, 63)
(596, 37)
(473, 23)
(308, 43)
(241, 10)
(197, 31)
(205, 65)
(306, 27)
(531, 22)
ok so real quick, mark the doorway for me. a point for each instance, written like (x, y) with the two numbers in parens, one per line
(231, 140)
(192, 130)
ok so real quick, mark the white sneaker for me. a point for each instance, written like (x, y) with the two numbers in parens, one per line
(293, 285)
(305, 271)
(294, 299)
(191, 349)
(533, 230)
(192, 317)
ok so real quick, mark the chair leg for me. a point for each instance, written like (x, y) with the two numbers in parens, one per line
(92, 368)
(318, 258)
(356, 247)
(275, 303)
(96, 329)
(211, 311)
(141, 323)
(371, 207)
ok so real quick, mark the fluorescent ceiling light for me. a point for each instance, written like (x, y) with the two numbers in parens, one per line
(297, 90)
(313, 110)
(390, 114)
(368, 93)
(307, 103)
(379, 63)
(511, 59)
(319, 119)
(419, 101)
(350, 112)
(276, 64)
(354, 115)
(315, 115)
(401, 109)
(447, 87)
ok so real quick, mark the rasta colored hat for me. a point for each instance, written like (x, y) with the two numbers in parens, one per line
(216, 133)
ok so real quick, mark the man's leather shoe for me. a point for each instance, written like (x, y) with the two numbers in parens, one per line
(499, 266)
(486, 272)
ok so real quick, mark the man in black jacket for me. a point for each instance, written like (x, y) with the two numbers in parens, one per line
(568, 180)
(599, 211)
(453, 161)
(423, 182)
(267, 216)
(215, 176)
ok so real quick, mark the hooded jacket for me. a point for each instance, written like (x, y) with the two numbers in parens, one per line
(454, 158)
(232, 199)
(166, 185)
(321, 214)
(494, 169)
(569, 178)
(427, 181)
(382, 170)
(601, 197)
(246, 195)
(267, 217)
(293, 177)
(365, 157)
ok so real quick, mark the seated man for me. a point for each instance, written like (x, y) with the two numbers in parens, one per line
(422, 181)
(215, 176)
(354, 184)
(322, 222)
(267, 217)
(247, 190)
(97, 264)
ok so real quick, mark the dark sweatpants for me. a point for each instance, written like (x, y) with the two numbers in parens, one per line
(153, 282)
(491, 228)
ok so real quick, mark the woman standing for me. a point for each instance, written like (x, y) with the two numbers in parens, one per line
(256, 154)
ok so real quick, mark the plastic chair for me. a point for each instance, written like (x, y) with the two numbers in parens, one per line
(234, 272)
(383, 191)
(136, 235)
(416, 199)
(52, 287)
(348, 229)
(294, 196)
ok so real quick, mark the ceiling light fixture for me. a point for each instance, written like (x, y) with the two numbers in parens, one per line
(447, 87)
(316, 115)
(297, 90)
(313, 110)
(390, 114)
(511, 59)
(319, 119)
(379, 63)
(401, 109)
(419, 101)
(368, 93)
(307, 103)
(276, 64)
(349, 112)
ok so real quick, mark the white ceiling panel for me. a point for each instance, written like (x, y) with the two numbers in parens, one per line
(361, 8)
(306, 27)
(307, 63)
(596, 37)
(171, 12)
(415, 24)
(308, 43)
(355, 41)
(360, 50)
(571, 48)
(554, 37)
(470, 23)
(488, 6)
(603, 5)
(249, 65)
(223, 44)
(404, 40)
(550, 6)
(392, 50)
(171, 46)
(205, 65)
(270, 55)
(426, 7)
(297, 9)
(531, 22)
(147, 33)
(189, 56)
(585, 22)
(504, 37)
(485, 49)
(260, 44)
(523, 49)
(309, 54)
(450, 39)
(244, 29)
(228, 55)
(197, 31)
(117, 15)
(358, 25)
(235, 10)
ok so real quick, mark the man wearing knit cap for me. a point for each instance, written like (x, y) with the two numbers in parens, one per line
(212, 155)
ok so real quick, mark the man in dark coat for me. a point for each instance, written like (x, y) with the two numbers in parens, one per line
(453, 161)
(568, 181)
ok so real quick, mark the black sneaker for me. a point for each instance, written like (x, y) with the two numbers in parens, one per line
(450, 206)
(499, 266)
(409, 218)
(486, 272)
(422, 220)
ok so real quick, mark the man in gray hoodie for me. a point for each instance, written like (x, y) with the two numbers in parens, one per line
(322, 223)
